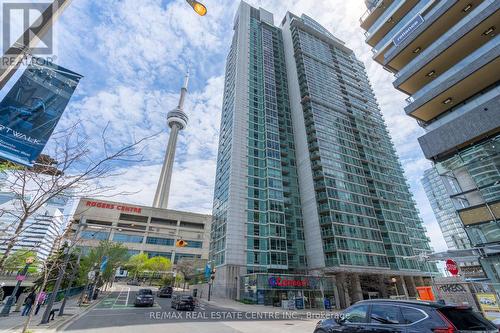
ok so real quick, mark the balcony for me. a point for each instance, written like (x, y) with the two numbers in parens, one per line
(370, 16)
(470, 76)
(463, 39)
(437, 21)
(391, 18)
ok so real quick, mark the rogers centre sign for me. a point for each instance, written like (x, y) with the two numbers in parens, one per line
(104, 205)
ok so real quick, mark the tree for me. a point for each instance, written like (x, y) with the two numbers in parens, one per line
(190, 268)
(137, 264)
(17, 260)
(158, 265)
(77, 168)
(116, 253)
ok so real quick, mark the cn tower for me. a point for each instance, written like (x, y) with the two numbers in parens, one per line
(177, 121)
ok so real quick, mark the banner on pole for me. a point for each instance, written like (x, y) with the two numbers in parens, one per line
(31, 110)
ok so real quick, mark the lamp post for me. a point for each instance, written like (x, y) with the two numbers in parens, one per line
(20, 278)
(198, 7)
(395, 281)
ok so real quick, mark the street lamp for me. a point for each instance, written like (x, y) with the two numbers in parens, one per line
(394, 280)
(20, 278)
(198, 7)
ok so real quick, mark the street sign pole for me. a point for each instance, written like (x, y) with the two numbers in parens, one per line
(20, 278)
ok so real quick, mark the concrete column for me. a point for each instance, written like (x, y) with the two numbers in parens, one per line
(382, 286)
(356, 291)
(344, 299)
(402, 284)
(336, 293)
(412, 288)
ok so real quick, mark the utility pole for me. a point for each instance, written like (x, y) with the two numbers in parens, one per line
(73, 275)
(29, 39)
(57, 286)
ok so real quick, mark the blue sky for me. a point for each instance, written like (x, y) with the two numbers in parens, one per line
(133, 55)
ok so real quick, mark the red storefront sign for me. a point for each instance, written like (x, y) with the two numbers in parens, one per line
(276, 281)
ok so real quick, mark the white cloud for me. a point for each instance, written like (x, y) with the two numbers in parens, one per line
(133, 54)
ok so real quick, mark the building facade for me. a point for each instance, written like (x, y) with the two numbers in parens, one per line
(445, 55)
(450, 224)
(42, 229)
(142, 229)
(308, 181)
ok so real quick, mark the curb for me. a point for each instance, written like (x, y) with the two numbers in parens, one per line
(77, 316)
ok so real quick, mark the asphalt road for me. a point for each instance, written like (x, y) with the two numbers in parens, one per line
(117, 311)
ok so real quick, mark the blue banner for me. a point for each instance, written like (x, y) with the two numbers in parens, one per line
(208, 271)
(104, 263)
(32, 108)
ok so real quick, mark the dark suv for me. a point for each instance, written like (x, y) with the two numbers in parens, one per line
(183, 302)
(165, 292)
(384, 316)
(144, 297)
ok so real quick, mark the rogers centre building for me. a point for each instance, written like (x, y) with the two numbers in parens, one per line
(153, 231)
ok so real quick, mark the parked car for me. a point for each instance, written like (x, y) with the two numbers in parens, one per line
(144, 297)
(183, 302)
(385, 316)
(165, 292)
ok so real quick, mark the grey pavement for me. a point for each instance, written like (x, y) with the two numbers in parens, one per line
(117, 313)
(14, 322)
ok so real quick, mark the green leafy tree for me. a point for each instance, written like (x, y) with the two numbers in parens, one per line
(158, 265)
(116, 253)
(17, 260)
(137, 264)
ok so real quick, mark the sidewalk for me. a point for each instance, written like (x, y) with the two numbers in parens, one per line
(14, 322)
(238, 306)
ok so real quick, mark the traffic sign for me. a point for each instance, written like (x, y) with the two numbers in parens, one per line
(452, 267)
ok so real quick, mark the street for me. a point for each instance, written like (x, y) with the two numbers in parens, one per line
(117, 311)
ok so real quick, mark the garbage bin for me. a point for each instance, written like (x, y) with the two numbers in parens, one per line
(195, 292)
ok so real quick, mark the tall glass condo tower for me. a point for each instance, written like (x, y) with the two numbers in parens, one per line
(308, 181)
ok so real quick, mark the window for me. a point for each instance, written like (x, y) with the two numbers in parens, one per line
(97, 235)
(385, 314)
(124, 238)
(152, 254)
(160, 241)
(192, 225)
(133, 218)
(411, 316)
(195, 244)
(356, 314)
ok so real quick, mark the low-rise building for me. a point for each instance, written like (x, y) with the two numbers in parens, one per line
(142, 229)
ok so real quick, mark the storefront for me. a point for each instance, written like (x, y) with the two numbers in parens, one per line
(291, 291)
